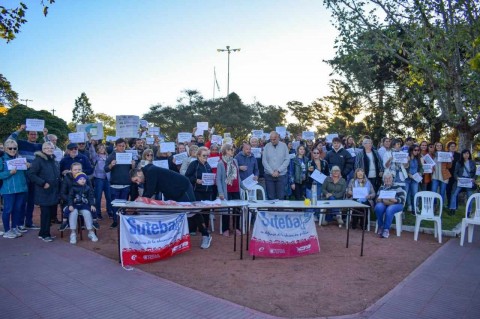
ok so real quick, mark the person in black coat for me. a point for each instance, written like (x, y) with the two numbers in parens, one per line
(45, 174)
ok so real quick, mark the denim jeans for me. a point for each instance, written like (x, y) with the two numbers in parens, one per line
(454, 197)
(26, 214)
(383, 211)
(102, 186)
(412, 189)
(443, 188)
(119, 193)
(275, 186)
(13, 204)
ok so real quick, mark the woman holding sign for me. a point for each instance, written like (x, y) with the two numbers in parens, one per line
(361, 190)
(13, 190)
(427, 177)
(464, 176)
(441, 174)
(414, 173)
(389, 201)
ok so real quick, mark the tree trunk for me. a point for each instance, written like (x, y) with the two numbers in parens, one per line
(465, 139)
(435, 132)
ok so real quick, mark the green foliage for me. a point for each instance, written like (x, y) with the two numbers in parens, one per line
(8, 97)
(82, 112)
(17, 115)
(109, 123)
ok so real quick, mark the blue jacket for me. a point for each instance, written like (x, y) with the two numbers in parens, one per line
(12, 184)
(26, 148)
(250, 162)
(67, 162)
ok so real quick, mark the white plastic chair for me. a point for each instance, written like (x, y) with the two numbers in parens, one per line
(251, 195)
(427, 212)
(471, 221)
(398, 219)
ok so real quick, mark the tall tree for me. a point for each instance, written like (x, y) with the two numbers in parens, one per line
(436, 42)
(82, 112)
(8, 97)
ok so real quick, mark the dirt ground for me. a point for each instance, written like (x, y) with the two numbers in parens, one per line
(337, 281)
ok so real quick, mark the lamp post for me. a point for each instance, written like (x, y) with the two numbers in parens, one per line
(228, 50)
(26, 101)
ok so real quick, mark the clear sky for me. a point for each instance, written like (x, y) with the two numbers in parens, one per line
(129, 55)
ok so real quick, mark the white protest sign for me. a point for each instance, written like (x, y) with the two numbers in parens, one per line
(184, 137)
(266, 136)
(400, 157)
(387, 194)
(111, 138)
(36, 125)
(478, 170)
(417, 178)
(352, 152)
(123, 158)
(20, 163)
(360, 192)
(217, 139)
(464, 182)
(257, 152)
(94, 129)
(213, 161)
(198, 132)
(161, 163)
(281, 130)
(180, 157)
(427, 168)
(330, 137)
(444, 157)
(78, 137)
(149, 140)
(208, 179)
(295, 144)
(228, 140)
(155, 131)
(203, 126)
(308, 135)
(134, 154)
(318, 176)
(143, 123)
(257, 133)
(167, 147)
(428, 160)
(58, 155)
(249, 182)
(127, 125)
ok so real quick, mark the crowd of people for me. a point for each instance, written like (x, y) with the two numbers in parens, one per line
(75, 181)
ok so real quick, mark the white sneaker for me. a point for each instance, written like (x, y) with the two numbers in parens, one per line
(92, 236)
(9, 234)
(73, 238)
(339, 220)
(206, 241)
(16, 232)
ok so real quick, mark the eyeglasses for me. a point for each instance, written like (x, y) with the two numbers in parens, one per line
(11, 148)
(74, 149)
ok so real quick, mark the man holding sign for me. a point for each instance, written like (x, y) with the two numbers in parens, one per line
(390, 200)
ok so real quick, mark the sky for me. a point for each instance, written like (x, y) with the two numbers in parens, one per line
(129, 55)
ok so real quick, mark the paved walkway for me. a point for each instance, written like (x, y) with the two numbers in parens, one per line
(56, 280)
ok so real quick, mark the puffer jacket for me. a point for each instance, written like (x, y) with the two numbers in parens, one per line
(45, 169)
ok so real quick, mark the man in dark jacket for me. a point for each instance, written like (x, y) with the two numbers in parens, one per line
(340, 157)
(73, 156)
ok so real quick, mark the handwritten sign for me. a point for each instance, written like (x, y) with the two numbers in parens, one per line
(127, 125)
(308, 135)
(464, 182)
(155, 131)
(134, 154)
(281, 130)
(417, 178)
(257, 133)
(184, 137)
(330, 137)
(318, 176)
(95, 130)
(78, 137)
(428, 160)
(387, 194)
(444, 157)
(203, 126)
(19, 163)
(180, 157)
(208, 179)
(34, 125)
(213, 161)
(123, 158)
(249, 182)
(360, 192)
(257, 152)
(167, 147)
(427, 168)
(400, 157)
(161, 163)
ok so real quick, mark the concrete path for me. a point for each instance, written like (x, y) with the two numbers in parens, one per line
(57, 280)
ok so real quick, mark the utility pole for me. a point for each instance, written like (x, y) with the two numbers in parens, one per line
(53, 110)
(228, 50)
(26, 101)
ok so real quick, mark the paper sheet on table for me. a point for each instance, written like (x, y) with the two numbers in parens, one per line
(161, 163)
(36, 125)
(400, 157)
(124, 158)
(249, 182)
(360, 192)
(257, 152)
(213, 161)
(464, 182)
(387, 194)
(180, 157)
(427, 168)
(318, 176)
(444, 157)
(417, 178)
(19, 163)
(208, 179)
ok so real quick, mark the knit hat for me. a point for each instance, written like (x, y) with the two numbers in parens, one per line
(79, 175)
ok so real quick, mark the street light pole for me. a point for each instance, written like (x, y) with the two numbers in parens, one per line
(228, 50)
(26, 101)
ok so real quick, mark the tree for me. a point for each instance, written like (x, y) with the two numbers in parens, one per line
(12, 19)
(82, 112)
(435, 41)
(109, 123)
(303, 114)
(8, 97)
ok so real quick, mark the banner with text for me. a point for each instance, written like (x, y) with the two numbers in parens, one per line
(149, 238)
(284, 234)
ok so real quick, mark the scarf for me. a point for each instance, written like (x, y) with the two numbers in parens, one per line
(231, 169)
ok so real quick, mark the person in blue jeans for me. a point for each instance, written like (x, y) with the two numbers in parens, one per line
(100, 180)
(414, 166)
(385, 209)
(464, 168)
(333, 188)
